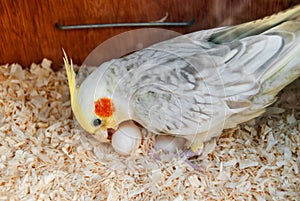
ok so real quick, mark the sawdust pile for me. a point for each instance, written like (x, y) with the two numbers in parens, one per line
(45, 156)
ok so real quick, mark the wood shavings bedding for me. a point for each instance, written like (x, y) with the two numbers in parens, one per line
(44, 155)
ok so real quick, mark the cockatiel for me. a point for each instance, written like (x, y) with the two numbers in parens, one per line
(195, 85)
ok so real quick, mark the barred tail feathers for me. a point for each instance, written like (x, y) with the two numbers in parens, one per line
(286, 68)
(255, 27)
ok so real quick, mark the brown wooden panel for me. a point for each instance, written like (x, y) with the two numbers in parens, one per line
(28, 32)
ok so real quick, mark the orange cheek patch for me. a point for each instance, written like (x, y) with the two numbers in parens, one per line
(104, 107)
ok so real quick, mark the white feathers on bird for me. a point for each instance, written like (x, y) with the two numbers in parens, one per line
(194, 85)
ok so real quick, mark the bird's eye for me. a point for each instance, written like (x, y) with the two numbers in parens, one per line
(97, 122)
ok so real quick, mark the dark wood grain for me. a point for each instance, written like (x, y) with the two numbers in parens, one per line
(28, 32)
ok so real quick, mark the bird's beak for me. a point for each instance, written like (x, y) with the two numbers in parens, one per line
(101, 135)
(104, 134)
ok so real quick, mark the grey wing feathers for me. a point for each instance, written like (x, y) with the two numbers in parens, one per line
(190, 83)
(189, 88)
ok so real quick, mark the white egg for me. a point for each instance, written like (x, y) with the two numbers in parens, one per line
(127, 138)
(169, 144)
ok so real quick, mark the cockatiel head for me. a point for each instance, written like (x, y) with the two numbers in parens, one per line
(98, 113)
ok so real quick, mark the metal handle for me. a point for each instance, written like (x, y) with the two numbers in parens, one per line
(134, 24)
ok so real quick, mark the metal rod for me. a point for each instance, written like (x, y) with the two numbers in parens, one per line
(134, 24)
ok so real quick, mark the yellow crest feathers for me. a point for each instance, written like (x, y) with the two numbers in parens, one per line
(71, 75)
(73, 88)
